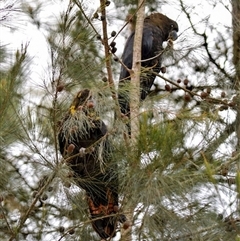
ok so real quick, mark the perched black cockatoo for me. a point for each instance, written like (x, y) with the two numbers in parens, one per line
(83, 142)
(157, 29)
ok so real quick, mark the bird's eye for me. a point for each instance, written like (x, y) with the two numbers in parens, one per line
(172, 26)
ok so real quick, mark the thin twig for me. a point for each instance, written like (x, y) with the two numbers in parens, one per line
(106, 46)
(85, 16)
(5, 218)
(26, 215)
(209, 99)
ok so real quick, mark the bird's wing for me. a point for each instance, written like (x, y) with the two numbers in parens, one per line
(147, 42)
(127, 56)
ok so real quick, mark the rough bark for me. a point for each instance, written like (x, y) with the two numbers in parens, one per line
(236, 58)
(135, 95)
(135, 72)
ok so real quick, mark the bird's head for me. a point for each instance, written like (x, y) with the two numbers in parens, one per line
(82, 101)
(168, 26)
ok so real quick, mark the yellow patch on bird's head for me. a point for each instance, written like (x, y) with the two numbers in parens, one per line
(72, 109)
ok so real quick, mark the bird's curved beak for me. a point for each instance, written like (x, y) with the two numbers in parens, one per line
(173, 35)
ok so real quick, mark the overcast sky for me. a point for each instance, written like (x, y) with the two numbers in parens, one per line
(26, 32)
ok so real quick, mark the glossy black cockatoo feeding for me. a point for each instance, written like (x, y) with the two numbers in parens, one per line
(157, 29)
(84, 143)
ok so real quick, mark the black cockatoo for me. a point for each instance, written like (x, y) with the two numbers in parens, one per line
(157, 29)
(83, 142)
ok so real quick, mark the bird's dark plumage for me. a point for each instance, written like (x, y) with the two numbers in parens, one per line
(157, 29)
(84, 144)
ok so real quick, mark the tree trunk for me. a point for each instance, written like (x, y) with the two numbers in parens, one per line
(236, 62)
(135, 96)
(135, 72)
(236, 58)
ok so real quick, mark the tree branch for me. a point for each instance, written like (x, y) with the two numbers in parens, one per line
(136, 71)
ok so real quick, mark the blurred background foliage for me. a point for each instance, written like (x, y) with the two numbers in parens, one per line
(180, 181)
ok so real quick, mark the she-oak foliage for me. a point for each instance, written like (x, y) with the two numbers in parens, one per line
(173, 188)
